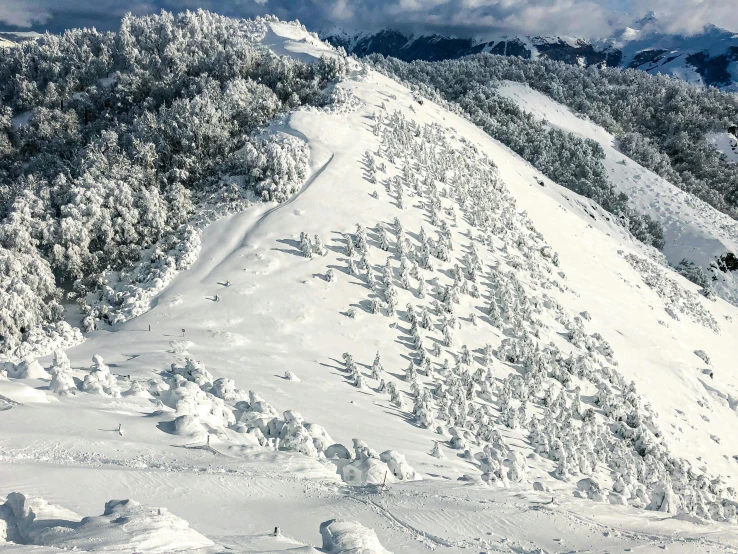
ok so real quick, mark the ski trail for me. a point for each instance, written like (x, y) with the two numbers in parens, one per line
(226, 236)
(270, 211)
(427, 539)
(222, 237)
(314, 174)
(656, 538)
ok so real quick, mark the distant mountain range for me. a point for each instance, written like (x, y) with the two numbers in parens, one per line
(709, 58)
(9, 39)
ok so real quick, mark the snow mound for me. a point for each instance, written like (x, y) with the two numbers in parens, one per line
(62, 381)
(398, 465)
(138, 390)
(20, 393)
(321, 439)
(29, 368)
(337, 451)
(188, 426)
(368, 467)
(294, 436)
(100, 381)
(125, 525)
(369, 471)
(202, 404)
(187, 399)
(349, 537)
(225, 389)
(194, 371)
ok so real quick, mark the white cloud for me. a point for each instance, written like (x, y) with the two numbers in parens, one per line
(690, 16)
(23, 13)
(587, 18)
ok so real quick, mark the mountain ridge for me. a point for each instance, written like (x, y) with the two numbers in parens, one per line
(709, 58)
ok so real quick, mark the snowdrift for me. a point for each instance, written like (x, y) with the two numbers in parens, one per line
(349, 537)
(124, 525)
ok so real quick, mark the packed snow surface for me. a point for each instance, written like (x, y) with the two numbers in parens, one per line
(202, 423)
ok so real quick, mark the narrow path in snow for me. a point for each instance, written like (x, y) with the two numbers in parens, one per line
(235, 243)
(284, 205)
(224, 237)
(221, 237)
(429, 540)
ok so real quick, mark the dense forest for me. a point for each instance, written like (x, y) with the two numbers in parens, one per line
(109, 140)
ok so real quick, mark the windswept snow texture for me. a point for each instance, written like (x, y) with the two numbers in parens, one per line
(535, 304)
(693, 230)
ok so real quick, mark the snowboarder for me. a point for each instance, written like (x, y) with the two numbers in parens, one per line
(216, 298)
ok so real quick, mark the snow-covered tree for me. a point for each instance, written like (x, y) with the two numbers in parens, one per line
(306, 245)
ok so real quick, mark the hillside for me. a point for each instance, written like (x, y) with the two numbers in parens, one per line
(541, 385)
(693, 230)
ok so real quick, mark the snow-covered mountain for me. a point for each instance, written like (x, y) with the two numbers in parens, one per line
(409, 47)
(10, 39)
(428, 346)
(708, 58)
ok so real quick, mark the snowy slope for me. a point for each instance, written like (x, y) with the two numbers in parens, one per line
(277, 311)
(693, 229)
(727, 143)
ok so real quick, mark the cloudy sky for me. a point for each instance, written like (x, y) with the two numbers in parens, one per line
(585, 18)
